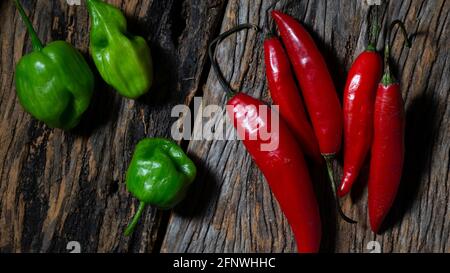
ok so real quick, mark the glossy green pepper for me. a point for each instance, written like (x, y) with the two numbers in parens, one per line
(159, 174)
(54, 83)
(123, 60)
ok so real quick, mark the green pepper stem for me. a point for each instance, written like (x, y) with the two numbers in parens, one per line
(388, 78)
(223, 82)
(37, 44)
(90, 4)
(329, 161)
(373, 27)
(135, 220)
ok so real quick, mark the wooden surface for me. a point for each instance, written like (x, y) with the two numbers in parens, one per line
(57, 187)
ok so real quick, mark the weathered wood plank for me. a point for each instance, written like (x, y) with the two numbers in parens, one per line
(230, 208)
(57, 186)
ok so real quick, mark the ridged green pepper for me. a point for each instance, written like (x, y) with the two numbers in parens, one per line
(159, 174)
(54, 83)
(123, 60)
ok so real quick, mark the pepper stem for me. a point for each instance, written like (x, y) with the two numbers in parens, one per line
(329, 161)
(373, 27)
(37, 44)
(388, 78)
(215, 65)
(135, 220)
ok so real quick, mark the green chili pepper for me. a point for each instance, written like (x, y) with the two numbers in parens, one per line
(159, 174)
(54, 83)
(123, 60)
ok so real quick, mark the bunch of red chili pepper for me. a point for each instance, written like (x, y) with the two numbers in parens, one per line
(374, 120)
(285, 167)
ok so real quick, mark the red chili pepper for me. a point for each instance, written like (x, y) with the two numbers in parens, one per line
(317, 88)
(315, 82)
(359, 100)
(285, 94)
(283, 167)
(388, 143)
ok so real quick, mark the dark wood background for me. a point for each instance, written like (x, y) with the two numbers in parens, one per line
(57, 186)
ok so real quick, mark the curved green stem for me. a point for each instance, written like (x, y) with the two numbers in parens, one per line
(135, 220)
(373, 27)
(89, 5)
(37, 44)
(223, 82)
(388, 78)
(329, 161)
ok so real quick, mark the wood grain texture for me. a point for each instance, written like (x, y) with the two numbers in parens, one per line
(232, 209)
(57, 187)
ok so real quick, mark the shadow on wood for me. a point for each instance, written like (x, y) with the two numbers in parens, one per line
(419, 125)
(327, 207)
(201, 193)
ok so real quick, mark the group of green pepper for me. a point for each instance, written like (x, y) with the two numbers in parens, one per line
(55, 85)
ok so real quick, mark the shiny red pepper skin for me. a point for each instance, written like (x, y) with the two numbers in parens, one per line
(316, 84)
(285, 94)
(284, 169)
(387, 152)
(359, 100)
